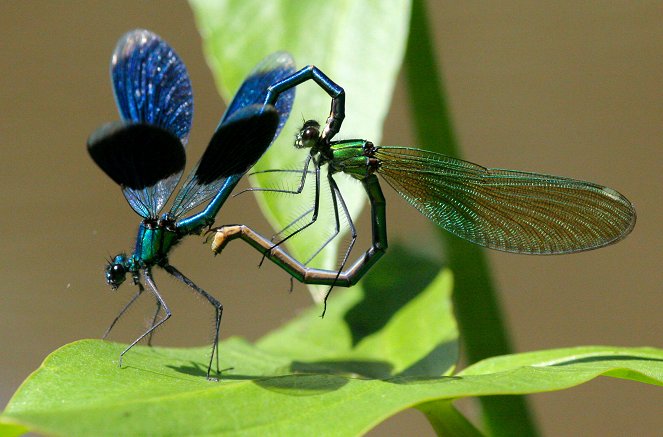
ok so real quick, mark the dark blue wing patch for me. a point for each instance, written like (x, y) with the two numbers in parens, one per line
(136, 156)
(144, 153)
(247, 106)
(238, 143)
(272, 69)
(151, 83)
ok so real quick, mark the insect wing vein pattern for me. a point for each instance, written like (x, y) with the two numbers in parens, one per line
(144, 153)
(507, 210)
(246, 107)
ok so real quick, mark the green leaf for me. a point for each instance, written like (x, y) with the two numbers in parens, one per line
(80, 391)
(9, 429)
(302, 378)
(404, 328)
(359, 45)
(581, 359)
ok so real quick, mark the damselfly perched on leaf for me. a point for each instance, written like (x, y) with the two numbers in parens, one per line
(144, 152)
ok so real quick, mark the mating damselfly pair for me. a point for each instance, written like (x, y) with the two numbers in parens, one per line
(144, 153)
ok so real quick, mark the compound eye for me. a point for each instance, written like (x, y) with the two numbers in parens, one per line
(308, 135)
(115, 275)
(118, 270)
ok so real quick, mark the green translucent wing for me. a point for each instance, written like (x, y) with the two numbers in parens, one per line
(507, 210)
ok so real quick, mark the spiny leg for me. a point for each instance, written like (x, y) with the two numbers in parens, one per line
(154, 320)
(337, 198)
(304, 172)
(279, 170)
(126, 307)
(217, 307)
(337, 221)
(155, 291)
(124, 310)
(316, 210)
(294, 222)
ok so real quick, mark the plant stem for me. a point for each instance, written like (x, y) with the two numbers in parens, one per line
(482, 328)
(447, 421)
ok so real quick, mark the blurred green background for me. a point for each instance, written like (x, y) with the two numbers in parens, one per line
(565, 88)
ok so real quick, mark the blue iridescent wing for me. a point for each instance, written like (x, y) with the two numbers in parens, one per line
(269, 71)
(144, 153)
(151, 83)
(231, 151)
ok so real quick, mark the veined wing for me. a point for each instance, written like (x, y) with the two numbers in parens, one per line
(144, 153)
(272, 69)
(508, 210)
(151, 83)
(142, 159)
(233, 150)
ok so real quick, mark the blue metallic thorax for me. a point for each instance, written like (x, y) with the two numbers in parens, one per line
(154, 241)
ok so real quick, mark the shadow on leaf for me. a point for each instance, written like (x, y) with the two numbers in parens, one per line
(303, 385)
(398, 278)
(413, 380)
(436, 362)
(353, 368)
(199, 369)
(193, 369)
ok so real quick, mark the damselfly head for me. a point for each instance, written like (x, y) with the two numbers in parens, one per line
(308, 136)
(116, 271)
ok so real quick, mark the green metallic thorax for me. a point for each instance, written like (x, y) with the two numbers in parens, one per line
(353, 157)
(155, 238)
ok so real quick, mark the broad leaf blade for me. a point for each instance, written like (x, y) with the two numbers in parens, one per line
(580, 356)
(80, 391)
(359, 45)
(403, 328)
(322, 369)
(167, 385)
